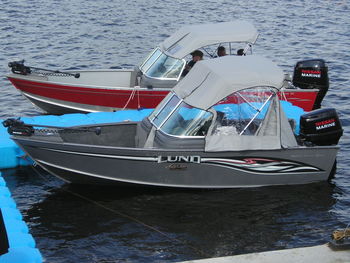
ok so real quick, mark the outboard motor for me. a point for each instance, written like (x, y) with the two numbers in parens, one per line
(321, 127)
(312, 74)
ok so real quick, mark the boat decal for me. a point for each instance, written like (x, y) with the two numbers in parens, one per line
(325, 124)
(258, 165)
(311, 73)
(179, 159)
(261, 165)
(176, 166)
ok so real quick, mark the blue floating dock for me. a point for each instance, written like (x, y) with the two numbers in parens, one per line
(16, 243)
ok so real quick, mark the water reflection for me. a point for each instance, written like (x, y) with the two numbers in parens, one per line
(182, 224)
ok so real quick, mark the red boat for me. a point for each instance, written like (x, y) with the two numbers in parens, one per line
(145, 86)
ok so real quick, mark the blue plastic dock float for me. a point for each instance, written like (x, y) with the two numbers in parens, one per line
(16, 243)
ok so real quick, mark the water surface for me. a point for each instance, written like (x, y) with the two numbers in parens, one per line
(78, 224)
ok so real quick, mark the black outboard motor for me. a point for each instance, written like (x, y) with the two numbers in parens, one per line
(312, 74)
(321, 127)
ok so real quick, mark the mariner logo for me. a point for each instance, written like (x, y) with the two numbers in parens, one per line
(179, 159)
(311, 73)
(325, 124)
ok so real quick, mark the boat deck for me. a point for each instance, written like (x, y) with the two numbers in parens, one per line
(321, 254)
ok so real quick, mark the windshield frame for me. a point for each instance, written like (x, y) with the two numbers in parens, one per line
(141, 67)
(157, 111)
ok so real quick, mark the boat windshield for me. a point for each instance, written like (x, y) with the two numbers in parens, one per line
(161, 66)
(162, 112)
(187, 121)
(150, 59)
(175, 117)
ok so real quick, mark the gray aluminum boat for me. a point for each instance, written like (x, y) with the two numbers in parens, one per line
(223, 126)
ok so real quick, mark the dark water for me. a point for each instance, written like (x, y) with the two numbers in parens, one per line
(72, 224)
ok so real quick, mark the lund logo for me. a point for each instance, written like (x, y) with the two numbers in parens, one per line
(179, 159)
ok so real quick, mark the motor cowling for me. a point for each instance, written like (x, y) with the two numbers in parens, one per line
(312, 74)
(321, 127)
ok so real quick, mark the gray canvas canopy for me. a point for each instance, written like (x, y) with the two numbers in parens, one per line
(233, 101)
(209, 81)
(274, 132)
(190, 38)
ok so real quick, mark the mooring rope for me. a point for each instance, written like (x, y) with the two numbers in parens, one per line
(132, 94)
(199, 251)
(283, 95)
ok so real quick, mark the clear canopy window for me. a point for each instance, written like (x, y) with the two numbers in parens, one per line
(161, 66)
(180, 119)
(247, 112)
(243, 112)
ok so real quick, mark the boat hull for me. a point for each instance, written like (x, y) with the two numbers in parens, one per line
(60, 98)
(86, 164)
(57, 98)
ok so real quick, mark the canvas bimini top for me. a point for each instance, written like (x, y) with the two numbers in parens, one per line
(233, 101)
(190, 38)
(209, 81)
